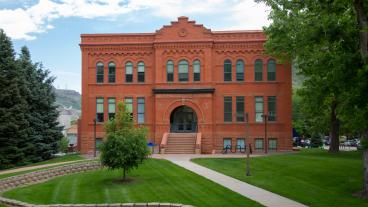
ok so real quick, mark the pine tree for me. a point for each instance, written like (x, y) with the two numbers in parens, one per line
(13, 123)
(44, 134)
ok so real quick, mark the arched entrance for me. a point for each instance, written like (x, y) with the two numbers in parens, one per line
(183, 119)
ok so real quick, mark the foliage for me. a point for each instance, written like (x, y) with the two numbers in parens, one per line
(322, 40)
(63, 145)
(316, 141)
(13, 122)
(29, 132)
(125, 146)
(313, 177)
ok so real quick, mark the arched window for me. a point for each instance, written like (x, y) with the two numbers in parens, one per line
(170, 71)
(141, 72)
(240, 70)
(183, 71)
(258, 70)
(271, 70)
(112, 70)
(227, 70)
(129, 72)
(99, 72)
(196, 70)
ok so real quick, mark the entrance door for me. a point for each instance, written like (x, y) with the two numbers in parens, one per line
(183, 120)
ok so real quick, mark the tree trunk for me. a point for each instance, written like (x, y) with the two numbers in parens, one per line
(124, 173)
(363, 27)
(365, 175)
(335, 127)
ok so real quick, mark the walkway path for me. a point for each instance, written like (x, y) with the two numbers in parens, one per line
(21, 169)
(252, 192)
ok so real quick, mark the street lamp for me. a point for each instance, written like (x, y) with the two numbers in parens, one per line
(265, 132)
(94, 136)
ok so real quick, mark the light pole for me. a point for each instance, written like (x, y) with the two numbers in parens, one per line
(247, 162)
(265, 132)
(94, 136)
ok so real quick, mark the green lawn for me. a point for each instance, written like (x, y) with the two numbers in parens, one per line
(154, 181)
(313, 177)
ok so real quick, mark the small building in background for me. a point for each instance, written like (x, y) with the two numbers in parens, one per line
(72, 135)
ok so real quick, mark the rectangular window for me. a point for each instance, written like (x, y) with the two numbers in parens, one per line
(141, 110)
(240, 145)
(227, 144)
(111, 107)
(141, 73)
(129, 74)
(129, 106)
(258, 144)
(170, 72)
(258, 70)
(272, 108)
(99, 110)
(183, 75)
(259, 108)
(100, 74)
(197, 71)
(272, 144)
(111, 74)
(98, 143)
(240, 108)
(228, 110)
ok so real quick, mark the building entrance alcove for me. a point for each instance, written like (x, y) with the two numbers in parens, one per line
(183, 119)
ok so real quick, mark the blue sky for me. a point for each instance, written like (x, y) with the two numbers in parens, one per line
(51, 28)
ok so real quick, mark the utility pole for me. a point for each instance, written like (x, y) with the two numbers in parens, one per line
(94, 136)
(247, 162)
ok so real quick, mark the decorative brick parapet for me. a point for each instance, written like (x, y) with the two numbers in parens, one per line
(44, 175)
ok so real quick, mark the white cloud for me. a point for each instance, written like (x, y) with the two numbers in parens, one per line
(25, 23)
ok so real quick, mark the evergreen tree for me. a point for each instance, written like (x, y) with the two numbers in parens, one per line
(45, 133)
(13, 122)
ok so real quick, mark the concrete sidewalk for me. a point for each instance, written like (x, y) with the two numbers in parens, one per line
(259, 195)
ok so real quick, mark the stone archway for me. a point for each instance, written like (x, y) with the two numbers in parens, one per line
(183, 119)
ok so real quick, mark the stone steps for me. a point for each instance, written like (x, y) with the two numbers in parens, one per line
(181, 143)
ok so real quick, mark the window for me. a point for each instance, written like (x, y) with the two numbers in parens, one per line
(98, 143)
(129, 72)
(258, 144)
(141, 72)
(227, 144)
(99, 72)
(112, 72)
(129, 106)
(228, 109)
(227, 70)
(240, 70)
(272, 144)
(140, 102)
(170, 71)
(196, 70)
(183, 71)
(259, 108)
(272, 108)
(240, 144)
(240, 108)
(111, 108)
(99, 109)
(271, 70)
(258, 70)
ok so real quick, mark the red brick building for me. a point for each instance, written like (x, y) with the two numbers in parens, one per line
(192, 87)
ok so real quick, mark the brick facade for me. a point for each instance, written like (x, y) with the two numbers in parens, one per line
(186, 40)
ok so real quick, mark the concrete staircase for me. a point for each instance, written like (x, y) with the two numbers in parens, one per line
(181, 143)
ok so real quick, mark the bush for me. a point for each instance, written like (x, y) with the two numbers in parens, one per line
(63, 145)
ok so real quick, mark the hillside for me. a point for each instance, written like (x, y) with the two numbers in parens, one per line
(68, 98)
